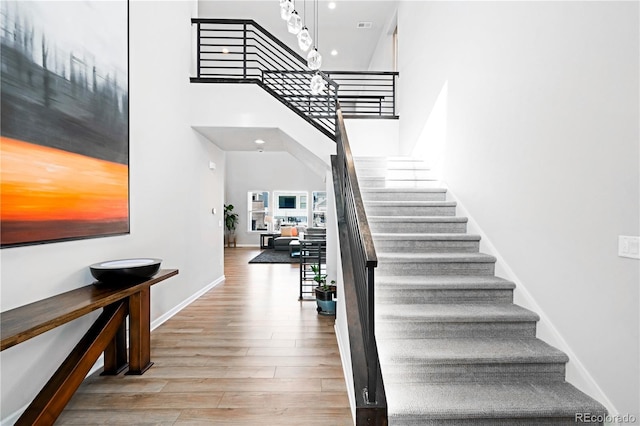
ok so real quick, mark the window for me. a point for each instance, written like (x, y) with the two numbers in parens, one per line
(258, 203)
(290, 208)
(319, 209)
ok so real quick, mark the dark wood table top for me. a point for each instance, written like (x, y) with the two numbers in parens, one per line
(25, 322)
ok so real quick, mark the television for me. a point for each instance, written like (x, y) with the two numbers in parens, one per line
(287, 201)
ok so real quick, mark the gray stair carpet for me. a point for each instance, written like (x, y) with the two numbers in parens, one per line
(454, 348)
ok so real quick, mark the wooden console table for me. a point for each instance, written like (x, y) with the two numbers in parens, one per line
(107, 334)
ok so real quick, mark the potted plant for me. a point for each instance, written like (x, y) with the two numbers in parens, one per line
(324, 292)
(230, 224)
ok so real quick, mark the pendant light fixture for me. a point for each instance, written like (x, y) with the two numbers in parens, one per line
(317, 84)
(304, 37)
(314, 58)
(294, 23)
(286, 9)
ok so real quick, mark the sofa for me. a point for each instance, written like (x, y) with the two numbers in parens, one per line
(287, 234)
(292, 233)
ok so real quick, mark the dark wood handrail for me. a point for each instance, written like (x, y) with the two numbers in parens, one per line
(359, 261)
(365, 231)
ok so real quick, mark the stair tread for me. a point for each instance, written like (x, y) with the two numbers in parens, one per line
(425, 312)
(468, 351)
(412, 203)
(441, 281)
(403, 190)
(493, 400)
(435, 257)
(385, 178)
(407, 236)
(451, 219)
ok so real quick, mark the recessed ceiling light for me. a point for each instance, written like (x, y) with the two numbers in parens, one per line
(225, 50)
(332, 5)
(334, 52)
(259, 141)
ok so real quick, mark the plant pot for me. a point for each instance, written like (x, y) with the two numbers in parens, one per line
(325, 302)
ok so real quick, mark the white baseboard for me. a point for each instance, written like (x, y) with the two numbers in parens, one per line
(163, 318)
(577, 373)
(13, 418)
(347, 371)
(246, 245)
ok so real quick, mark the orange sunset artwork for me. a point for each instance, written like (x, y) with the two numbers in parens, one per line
(64, 125)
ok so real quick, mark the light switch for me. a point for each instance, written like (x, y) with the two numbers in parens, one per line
(629, 246)
(219, 224)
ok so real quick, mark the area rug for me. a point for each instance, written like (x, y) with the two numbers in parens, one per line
(273, 256)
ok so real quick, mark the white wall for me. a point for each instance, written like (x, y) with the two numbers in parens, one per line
(373, 138)
(541, 147)
(172, 193)
(264, 171)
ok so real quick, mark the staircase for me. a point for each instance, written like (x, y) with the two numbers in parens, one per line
(454, 349)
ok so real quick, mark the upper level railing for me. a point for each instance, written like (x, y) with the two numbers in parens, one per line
(366, 94)
(241, 51)
(359, 261)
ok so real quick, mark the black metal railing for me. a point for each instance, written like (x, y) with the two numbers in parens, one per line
(241, 51)
(366, 94)
(359, 261)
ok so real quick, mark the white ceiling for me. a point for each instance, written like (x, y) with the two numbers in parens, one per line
(243, 138)
(338, 27)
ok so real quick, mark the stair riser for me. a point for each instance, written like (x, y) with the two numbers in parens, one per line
(472, 373)
(422, 246)
(435, 268)
(394, 174)
(428, 330)
(403, 196)
(398, 183)
(410, 210)
(389, 295)
(524, 421)
(417, 227)
(374, 163)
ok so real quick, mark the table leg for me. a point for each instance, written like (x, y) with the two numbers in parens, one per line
(140, 332)
(115, 354)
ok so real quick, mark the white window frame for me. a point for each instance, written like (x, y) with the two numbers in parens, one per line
(298, 212)
(251, 211)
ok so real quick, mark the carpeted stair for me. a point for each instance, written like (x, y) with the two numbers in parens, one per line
(454, 349)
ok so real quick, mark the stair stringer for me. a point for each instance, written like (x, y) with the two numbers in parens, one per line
(576, 373)
(248, 106)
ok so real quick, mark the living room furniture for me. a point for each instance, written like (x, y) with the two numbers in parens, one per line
(294, 248)
(287, 234)
(266, 239)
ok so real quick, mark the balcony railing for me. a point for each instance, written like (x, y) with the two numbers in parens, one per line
(241, 51)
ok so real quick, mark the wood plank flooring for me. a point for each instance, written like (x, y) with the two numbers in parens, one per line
(246, 353)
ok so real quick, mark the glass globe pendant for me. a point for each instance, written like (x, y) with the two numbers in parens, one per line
(317, 84)
(314, 59)
(304, 39)
(294, 23)
(286, 9)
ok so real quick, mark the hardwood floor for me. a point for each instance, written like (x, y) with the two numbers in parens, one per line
(246, 353)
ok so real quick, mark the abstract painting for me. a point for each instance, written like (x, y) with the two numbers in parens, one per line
(64, 132)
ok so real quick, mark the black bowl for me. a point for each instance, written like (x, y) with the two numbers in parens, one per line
(125, 271)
